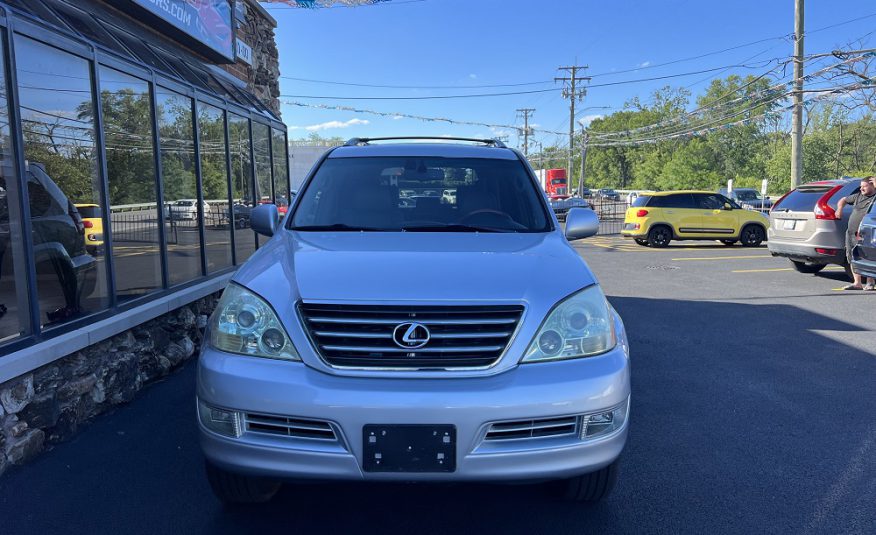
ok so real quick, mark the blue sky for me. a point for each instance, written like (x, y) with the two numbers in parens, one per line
(464, 43)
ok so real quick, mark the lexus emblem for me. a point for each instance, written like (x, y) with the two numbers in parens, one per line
(411, 335)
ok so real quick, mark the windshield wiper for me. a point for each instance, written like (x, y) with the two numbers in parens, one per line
(454, 228)
(338, 227)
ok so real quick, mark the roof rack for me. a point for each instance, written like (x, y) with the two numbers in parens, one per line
(365, 140)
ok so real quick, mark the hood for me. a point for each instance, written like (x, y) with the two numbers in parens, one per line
(414, 266)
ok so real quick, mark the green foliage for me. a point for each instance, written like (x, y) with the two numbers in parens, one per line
(839, 140)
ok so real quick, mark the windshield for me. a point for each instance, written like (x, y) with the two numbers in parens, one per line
(556, 181)
(747, 195)
(490, 195)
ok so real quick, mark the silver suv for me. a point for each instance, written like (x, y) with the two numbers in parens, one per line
(804, 227)
(381, 340)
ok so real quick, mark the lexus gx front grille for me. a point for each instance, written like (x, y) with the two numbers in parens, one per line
(410, 337)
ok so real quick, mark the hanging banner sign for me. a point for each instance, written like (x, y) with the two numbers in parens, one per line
(203, 23)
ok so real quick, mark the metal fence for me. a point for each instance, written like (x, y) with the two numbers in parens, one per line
(611, 215)
(139, 223)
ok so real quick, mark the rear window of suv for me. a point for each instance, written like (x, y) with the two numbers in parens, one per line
(803, 199)
(395, 194)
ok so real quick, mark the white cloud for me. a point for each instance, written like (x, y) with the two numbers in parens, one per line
(397, 117)
(587, 119)
(473, 76)
(643, 64)
(331, 124)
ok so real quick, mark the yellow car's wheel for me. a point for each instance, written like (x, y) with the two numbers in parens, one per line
(659, 236)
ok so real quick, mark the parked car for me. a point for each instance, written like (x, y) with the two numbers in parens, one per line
(864, 254)
(804, 227)
(59, 245)
(607, 194)
(240, 214)
(748, 198)
(655, 219)
(561, 207)
(92, 221)
(586, 193)
(185, 209)
(364, 341)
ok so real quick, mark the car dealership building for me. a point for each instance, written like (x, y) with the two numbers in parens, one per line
(135, 138)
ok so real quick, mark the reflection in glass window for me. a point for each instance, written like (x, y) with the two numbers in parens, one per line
(130, 163)
(241, 186)
(281, 170)
(261, 144)
(13, 286)
(58, 126)
(214, 180)
(177, 142)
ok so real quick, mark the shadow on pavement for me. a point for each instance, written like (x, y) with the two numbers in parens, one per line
(745, 418)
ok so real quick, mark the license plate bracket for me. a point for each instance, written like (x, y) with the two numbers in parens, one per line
(409, 448)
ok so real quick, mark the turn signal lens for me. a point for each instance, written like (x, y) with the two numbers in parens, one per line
(641, 213)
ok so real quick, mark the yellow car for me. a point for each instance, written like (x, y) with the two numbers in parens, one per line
(92, 220)
(656, 219)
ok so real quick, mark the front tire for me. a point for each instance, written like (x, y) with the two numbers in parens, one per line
(233, 488)
(659, 237)
(805, 267)
(752, 236)
(592, 487)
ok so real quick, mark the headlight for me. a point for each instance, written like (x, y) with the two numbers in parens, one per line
(580, 326)
(244, 323)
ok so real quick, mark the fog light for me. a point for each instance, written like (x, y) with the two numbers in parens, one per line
(604, 423)
(224, 422)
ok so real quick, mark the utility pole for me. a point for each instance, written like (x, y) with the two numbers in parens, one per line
(584, 140)
(797, 112)
(525, 112)
(572, 93)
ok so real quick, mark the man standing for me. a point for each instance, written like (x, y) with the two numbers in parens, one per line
(861, 203)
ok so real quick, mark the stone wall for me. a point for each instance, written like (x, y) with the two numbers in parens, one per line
(47, 406)
(263, 77)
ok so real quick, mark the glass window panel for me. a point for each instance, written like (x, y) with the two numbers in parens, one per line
(214, 179)
(177, 143)
(13, 283)
(261, 142)
(241, 186)
(130, 162)
(84, 24)
(58, 125)
(281, 171)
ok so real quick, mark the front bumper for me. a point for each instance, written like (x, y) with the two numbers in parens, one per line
(531, 391)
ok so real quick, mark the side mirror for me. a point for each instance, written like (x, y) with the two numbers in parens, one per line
(727, 206)
(264, 219)
(581, 223)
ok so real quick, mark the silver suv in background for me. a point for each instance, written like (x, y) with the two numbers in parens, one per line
(380, 340)
(804, 227)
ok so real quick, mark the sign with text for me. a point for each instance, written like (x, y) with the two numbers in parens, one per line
(208, 22)
(244, 52)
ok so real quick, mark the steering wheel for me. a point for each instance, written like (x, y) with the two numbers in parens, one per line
(470, 215)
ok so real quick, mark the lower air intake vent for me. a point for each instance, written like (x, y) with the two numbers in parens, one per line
(289, 427)
(523, 429)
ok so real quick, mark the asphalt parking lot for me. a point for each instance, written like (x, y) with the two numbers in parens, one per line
(752, 411)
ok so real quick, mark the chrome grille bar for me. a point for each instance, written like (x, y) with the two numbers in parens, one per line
(361, 336)
(526, 429)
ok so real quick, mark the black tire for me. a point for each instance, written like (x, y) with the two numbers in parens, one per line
(236, 489)
(805, 267)
(659, 236)
(729, 243)
(642, 241)
(752, 236)
(592, 487)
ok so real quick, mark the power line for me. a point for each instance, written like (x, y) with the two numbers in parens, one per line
(534, 91)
